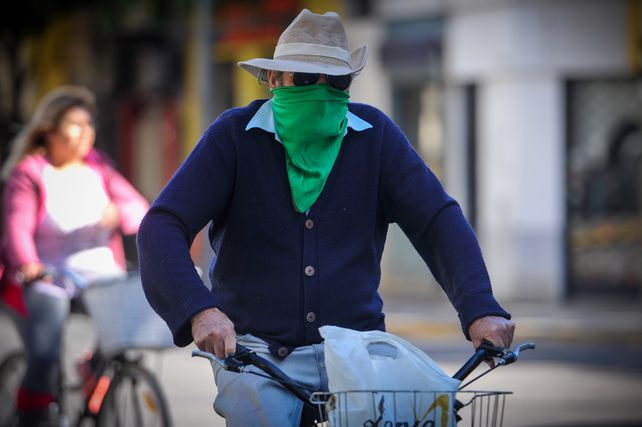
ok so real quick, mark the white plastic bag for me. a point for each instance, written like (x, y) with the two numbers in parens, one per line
(379, 379)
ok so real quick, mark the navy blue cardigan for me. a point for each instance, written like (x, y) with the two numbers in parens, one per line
(280, 275)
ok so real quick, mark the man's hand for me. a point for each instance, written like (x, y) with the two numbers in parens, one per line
(496, 330)
(214, 332)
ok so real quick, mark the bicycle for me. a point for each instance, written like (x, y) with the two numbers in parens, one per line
(114, 388)
(328, 409)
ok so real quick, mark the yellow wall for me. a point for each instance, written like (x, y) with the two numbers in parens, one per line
(246, 86)
(58, 55)
(322, 6)
(192, 126)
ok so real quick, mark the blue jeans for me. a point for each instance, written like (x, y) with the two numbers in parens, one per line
(41, 334)
(249, 400)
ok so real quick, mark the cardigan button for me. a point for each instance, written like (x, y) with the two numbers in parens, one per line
(311, 317)
(309, 271)
(282, 351)
(309, 224)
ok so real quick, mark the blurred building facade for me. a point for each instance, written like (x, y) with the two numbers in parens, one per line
(529, 111)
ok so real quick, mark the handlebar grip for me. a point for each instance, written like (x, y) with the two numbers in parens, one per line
(247, 357)
(484, 352)
(43, 275)
(234, 362)
(512, 356)
(240, 350)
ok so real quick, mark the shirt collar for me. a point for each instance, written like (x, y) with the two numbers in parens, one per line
(264, 119)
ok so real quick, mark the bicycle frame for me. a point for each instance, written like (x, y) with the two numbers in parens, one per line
(95, 384)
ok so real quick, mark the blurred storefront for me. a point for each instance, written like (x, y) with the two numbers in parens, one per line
(530, 111)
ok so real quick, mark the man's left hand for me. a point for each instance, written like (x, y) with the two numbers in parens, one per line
(494, 329)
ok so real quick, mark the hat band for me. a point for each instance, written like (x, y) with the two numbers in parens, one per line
(313, 50)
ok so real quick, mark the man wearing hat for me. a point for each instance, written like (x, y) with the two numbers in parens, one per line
(299, 191)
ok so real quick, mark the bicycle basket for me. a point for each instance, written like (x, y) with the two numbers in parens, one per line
(123, 317)
(411, 408)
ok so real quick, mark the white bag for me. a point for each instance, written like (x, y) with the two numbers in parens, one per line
(409, 387)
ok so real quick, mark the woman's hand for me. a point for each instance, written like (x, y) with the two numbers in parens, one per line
(110, 218)
(30, 272)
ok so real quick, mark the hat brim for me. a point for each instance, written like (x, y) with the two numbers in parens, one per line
(311, 64)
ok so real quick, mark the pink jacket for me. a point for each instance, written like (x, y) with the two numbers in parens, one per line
(23, 204)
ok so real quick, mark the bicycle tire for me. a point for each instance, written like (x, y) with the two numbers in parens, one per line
(12, 369)
(134, 398)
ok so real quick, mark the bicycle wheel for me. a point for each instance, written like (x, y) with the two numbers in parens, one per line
(12, 369)
(134, 398)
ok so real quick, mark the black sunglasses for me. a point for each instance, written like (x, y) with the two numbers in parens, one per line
(337, 82)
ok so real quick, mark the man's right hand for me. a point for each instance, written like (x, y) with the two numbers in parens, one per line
(214, 332)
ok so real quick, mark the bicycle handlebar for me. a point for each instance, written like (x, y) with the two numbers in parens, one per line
(488, 352)
(245, 357)
(484, 352)
(43, 275)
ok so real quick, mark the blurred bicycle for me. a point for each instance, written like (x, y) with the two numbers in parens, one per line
(115, 388)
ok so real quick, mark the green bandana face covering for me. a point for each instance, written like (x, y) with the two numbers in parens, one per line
(311, 122)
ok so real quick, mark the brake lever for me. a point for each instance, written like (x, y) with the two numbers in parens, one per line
(491, 350)
(511, 356)
(235, 362)
(487, 351)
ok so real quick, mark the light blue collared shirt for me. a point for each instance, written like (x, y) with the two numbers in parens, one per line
(264, 119)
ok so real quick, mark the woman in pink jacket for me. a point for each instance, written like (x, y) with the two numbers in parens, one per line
(65, 208)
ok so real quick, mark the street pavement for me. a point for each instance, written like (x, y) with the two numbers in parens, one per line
(585, 371)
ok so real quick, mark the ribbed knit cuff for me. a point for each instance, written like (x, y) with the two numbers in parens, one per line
(478, 306)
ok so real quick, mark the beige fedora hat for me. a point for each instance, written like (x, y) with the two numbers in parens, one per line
(312, 43)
